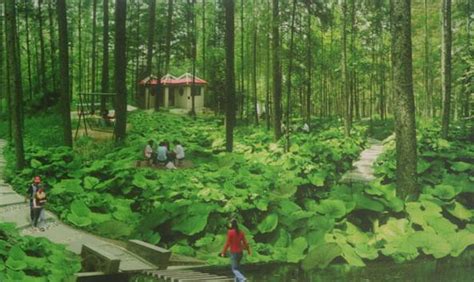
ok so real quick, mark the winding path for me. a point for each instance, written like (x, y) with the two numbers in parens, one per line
(363, 171)
(13, 208)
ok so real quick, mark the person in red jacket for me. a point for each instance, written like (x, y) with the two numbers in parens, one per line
(237, 243)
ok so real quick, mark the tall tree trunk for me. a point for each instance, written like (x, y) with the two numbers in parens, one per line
(242, 72)
(169, 29)
(345, 79)
(52, 43)
(151, 36)
(446, 67)
(406, 154)
(290, 72)
(276, 72)
(3, 94)
(15, 88)
(28, 52)
(105, 56)
(42, 73)
(64, 70)
(268, 68)
(120, 71)
(94, 47)
(229, 77)
(194, 47)
(137, 52)
(79, 47)
(427, 65)
(204, 39)
(254, 73)
(310, 67)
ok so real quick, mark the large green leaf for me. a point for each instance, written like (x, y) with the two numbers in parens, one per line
(318, 178)
(431, 243)
(461, 166)
(332, 208)
(190, 224)
(296, 250)
(79, 220)
(16, 259)
(79, 208)
(321, 256)
(460, 241)
(268, 224)
(459, 211)
(90, 182)
(115, 229)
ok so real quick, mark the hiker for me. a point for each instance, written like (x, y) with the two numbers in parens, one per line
(237, 243)
(179, 151)
(39, 201)
(30, 194)
(148, 152)
(162, 153)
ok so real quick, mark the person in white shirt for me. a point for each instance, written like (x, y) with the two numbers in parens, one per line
(179, 151)
(148, 152)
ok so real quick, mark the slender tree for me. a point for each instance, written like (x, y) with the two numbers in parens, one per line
(15, 86)
(344, 72)
(53, 48)
(405, 132)
(64, 70)
(3, 94)
(105, 56)
(290, 72)
(94, 46)
(230, 77)
(255, 62)
(28, 51)
(42, 68)
(309, 66)
(193, 50)
(277, 112)
(427, 65)
(446, 67)
(151, 35)
(169, 28)
(120, 71)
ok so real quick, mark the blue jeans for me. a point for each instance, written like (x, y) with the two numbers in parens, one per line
(235, 259)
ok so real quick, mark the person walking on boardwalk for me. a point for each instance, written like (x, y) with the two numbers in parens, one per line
(237, 243)
(30, 194)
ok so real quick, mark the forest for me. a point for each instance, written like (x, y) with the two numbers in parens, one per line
(335, 132)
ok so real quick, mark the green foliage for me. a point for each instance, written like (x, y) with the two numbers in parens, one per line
(290, 202)
(34, 259)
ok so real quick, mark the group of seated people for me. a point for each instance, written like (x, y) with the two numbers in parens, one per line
(163, 155)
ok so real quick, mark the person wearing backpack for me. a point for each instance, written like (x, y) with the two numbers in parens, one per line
(237, 243)
(31, 192)
(39, 201)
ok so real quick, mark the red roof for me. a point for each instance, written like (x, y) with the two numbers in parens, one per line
(185, 79)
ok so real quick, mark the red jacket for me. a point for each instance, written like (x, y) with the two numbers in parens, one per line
(236, 242)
